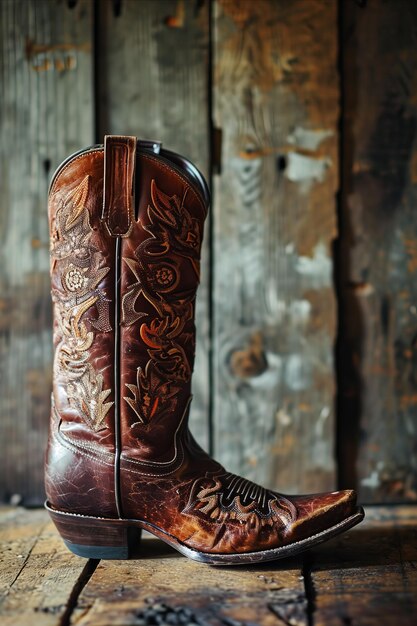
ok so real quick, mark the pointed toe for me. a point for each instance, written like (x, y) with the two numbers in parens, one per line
(321, 511)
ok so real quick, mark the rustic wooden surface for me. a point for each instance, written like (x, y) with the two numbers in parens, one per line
(46, 109)
(369, 576)
(378, 251)
(38, 575)
(276, 101)
(366, 577)
(153, 82)
(127, 593)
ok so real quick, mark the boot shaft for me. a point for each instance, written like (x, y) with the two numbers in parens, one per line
(124, 276)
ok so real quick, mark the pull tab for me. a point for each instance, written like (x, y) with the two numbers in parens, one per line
(119, 184)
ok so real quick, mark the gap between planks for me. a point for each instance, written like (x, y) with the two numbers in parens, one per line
(366, 576)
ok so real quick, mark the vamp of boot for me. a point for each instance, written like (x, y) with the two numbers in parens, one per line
(126, 226)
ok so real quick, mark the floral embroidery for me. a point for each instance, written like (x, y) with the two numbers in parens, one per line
(150, 395)
(78, 263)
(173, 233)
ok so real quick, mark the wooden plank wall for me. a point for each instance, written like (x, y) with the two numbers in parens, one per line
(311, 107)
(378, 251)
(276, 101)
(46, 112)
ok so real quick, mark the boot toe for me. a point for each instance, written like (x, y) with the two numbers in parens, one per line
(319, 512)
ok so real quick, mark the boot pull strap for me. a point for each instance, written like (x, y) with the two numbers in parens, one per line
(119, 184)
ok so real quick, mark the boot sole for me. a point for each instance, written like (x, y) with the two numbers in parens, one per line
(106, 538)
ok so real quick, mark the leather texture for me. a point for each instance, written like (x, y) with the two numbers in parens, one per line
(119, 184)
(124, 279)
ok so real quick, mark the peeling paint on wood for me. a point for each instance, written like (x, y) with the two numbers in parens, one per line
(276, 100)
(59, 57)
(306, 169)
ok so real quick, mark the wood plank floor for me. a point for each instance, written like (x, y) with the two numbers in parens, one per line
(368, 576)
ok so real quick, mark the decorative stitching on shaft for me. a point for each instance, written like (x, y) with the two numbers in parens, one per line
(78, 264)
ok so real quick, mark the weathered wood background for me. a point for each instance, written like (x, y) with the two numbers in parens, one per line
(303, 115)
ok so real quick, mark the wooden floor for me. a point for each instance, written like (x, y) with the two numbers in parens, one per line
(367, 576)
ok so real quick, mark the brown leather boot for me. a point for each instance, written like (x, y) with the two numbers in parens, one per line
(120, 456)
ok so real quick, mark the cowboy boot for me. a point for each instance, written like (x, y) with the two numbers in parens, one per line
(120, 456)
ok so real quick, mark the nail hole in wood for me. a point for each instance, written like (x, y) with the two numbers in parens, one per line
(281, 162)
(117, 8)
(46, 166)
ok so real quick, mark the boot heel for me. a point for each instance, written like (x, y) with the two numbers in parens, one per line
(94, 537)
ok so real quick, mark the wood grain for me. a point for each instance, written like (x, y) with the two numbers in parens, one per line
(37, 572)
(45, 114)
(153, 82)
(165, 586)
(276, 101)
(369, 575)
(377, 252)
